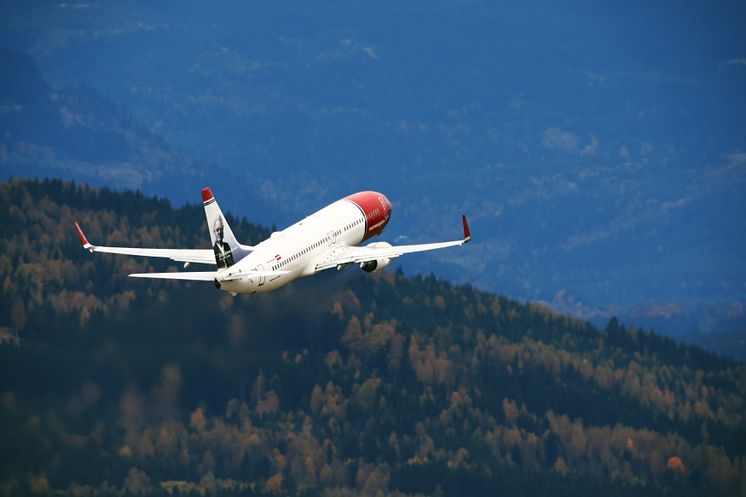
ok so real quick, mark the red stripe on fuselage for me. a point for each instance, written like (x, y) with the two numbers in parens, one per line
(375, 207)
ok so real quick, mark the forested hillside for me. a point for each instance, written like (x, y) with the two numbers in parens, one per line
(342, 384)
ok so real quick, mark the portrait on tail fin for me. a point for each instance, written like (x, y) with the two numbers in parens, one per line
(223, 253)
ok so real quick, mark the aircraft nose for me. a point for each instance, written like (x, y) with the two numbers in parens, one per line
(387, 206)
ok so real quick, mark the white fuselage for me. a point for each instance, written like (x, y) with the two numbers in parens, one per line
(299, 248)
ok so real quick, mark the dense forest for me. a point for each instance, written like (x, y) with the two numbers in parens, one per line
(342, 384)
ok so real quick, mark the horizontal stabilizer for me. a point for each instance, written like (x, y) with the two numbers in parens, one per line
(210, 275)
(192, 276)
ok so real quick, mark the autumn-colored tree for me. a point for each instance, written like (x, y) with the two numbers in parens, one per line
(560, 466)
(510, 411)
(198, 420)
(138, 482)
(273, 484)
(675, 464)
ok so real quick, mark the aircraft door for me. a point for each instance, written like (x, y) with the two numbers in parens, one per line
(262, 278)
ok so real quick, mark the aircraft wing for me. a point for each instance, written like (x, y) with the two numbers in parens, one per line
(343, 255)
(201, 256)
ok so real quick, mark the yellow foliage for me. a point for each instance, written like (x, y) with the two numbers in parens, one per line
(38, 484)
(510, 411)
(180, 486)
(273, 484)
(560, 466)
(198, 419)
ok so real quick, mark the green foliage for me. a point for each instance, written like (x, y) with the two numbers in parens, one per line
(345, 383)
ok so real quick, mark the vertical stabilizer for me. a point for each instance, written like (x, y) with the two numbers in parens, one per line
(227, 249)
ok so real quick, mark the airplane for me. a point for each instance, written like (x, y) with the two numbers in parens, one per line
(326, 239)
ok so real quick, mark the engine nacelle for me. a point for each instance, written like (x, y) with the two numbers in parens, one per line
(378, 264)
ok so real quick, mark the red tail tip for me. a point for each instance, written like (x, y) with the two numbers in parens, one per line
(83, 239)
(206, 194)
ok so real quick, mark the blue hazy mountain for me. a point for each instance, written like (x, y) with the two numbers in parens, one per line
(599, 151)
(77, 134)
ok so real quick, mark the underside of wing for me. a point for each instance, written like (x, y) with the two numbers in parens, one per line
(357, 255)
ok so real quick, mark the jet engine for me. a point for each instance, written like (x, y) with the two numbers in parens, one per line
(377, 264)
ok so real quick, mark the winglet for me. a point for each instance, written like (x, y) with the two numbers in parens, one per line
(467, 233)
(83, 239)
(206, 195)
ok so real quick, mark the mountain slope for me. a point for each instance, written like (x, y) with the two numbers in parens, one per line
(344, 383)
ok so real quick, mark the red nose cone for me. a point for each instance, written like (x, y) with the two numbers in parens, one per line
(376, 208)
